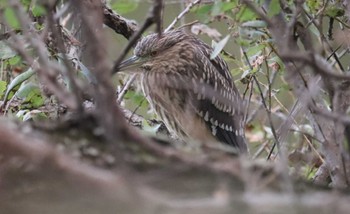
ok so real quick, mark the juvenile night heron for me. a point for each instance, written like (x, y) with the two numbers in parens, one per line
(194, 95)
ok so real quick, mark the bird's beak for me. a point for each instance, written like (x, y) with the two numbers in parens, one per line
(133, 62)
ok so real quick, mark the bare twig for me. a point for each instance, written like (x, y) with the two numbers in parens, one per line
(153, 17)
(258, 11)
(7, 35)
(183, 13)
(118, 23)
(125, 88)
(266, 92)
(318, 63)
(132, 42)
(263, 101)
(69, 73)
(47, 71)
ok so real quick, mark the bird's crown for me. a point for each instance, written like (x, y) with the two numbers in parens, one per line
(153, 43)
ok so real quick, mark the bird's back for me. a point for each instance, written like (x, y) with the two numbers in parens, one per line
(194, 95)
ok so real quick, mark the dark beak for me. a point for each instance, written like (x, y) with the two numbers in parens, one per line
(133, 62)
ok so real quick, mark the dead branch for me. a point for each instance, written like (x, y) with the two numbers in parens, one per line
(286, 43)
(118, 23)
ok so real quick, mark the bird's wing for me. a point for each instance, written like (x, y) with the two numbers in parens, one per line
(218, 101)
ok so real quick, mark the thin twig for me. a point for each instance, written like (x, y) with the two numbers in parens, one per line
(125, 88)
(260, 150)
(69, 73)
(135, 110)
(47, 71)
(258, 11)
(251, 83)
(253, 113)
(151, 19)
(318, 63)
(184, 12)
(132, 78)
(263, 101)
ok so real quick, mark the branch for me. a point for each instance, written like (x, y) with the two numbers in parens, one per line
(47, 70)
(153, 17)
(318, 63)
(183, 13)
(118, 23)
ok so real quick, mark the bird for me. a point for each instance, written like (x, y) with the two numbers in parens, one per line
(193, 94)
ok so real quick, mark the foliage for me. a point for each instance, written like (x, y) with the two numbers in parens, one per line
(248, 45)
(124, 6)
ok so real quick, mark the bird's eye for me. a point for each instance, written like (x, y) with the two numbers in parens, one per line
(153, 53)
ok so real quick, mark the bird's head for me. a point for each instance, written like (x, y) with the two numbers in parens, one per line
(151, 48)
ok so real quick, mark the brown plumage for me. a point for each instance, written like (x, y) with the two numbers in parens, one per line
(193, 95)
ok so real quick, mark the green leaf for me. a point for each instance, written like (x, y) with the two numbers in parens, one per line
(14, 60)
(35, 98)
(148, 128)
(34, 115)
(216, 10)
(3, 85)
(245, 14)
(5, 51)
(228, 6)
(255, 24)
(86, 73)
(136, 101)
(314, 30)
(3, 3)
(242, 42)
(25, 90)
(21, 113)
(30, 93)
(274, 8)
(335, 11)
(312, 172)
(277, 60)
(27, 116)
(245, 73)
(221, 7)
(38, 10)
(11, 18)
(18, 80)
(219, 46)
(203, 10)
(255, 50)
(236, 71)
(132, 95)
(26, 3)
(251, 33)
(125, 6)
(314, 5)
